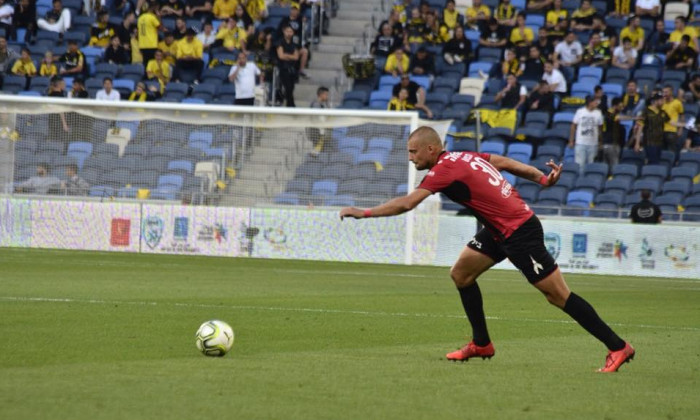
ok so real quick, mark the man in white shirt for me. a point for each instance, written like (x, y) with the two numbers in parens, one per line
(586, 135)
(243, 76)
(107, 93)
(625, 55)
(554, 78)
(649, 8)
(207, 36)
(6, 12)
(568, 54)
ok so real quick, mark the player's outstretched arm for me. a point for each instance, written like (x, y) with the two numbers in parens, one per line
(531, 173)
(392, 207)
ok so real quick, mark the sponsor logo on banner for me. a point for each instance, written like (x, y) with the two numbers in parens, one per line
(181, 227)
(552, 241)
(646, 255)
(247, 238)
(152, 231)
(579, 248)
(679, 255)
(216, 232)
(616, 249)
(120, 233)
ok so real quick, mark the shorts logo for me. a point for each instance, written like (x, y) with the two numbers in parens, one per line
(152, 231)
(552, 241)
(476, 243)
(536, 267)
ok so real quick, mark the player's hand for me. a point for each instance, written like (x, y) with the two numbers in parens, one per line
(353, 212)
(553, 176)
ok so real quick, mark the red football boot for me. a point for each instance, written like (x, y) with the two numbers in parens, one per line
(472, 350)
(615, 359)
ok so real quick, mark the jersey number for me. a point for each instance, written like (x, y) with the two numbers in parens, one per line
(495, 177)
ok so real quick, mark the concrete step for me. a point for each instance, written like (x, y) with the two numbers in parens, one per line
(325, 47)
(338, 40)
(357, 14)
(330, 61)
(349, 28)
(279, 159)
(360, 6)
(321, 76)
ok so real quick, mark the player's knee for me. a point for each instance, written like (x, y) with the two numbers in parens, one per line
(462, 278)
(556, 299)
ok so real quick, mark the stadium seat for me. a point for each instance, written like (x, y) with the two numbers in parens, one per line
(682, 172)
(582, 89)
(477, 66)
(379, 99)
(301, 187)
(493, 147)
(589, 183)
(357, 95)
(578, 203)
(324, 188)
(681, 185)
(692, 209)
(612, 90)
(644, 184)
(340, 201)
(200, 139)
(529, 192)
(490, 55)
(618, 185)
(79, 151)
(520, 151)
(380, 144)
(170, 182)
(598, 168)
(625, 170)
(547, 152)
(124, 87)
(592, 74)
(691, 160)
(351, 145)
(657, 172)
(387, 82)
(101, 191)
(615, 75)
(632, 157)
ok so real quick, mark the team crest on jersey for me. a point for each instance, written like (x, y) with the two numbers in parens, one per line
(506, 189)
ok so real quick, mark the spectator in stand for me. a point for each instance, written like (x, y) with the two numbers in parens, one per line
(25, 17)
(207, 36)
(493, 36)
(180, 29)
(169, 48)
(6, 19)
(416, 94)
(57, 19)
(256, 9)
(148, 26)
(632, 102)
(586, 133)
(78, 90)
(596, 54)
(422, 63)
(41, 183)
(521, 37)
(680, 30)
(414, 32)
(692, 88)
(608, 35)
(296, 22)
(243, 20)
(673, 107)
(477, 15)
(48, 68)
(57, 88)
(159, 69)
(288, 57)
(189, 55)
(244, 75)
(620, 8)
(318, 136)
(451, 16)
(510, 65)
(568, 55)
(385, 42)
(261, 46)
(658, 41)
(58, 123)
(557, 34)
(199, 9)
(634, 32)
(541, 98)
(75, 185)
(116, 54)
(458, 49)
(399, 102)
(505, 14)
(72, 61)
(647, 8)
(557, 13)
(224, 9)
(513, 95)
(613, 133)
(602, 99)
(107, 93)
(435, 33)
(583, 16)
(681, 57)
(645, 211)
(539, 4)
(136, 56)
(24, 66)
(232, 37)
(651, 127)
(172, 8)
(144, 93)
(394, 24)
(397, 63)
(554, 78)
(544, 44)
(534, 65)
(124, 30)
(625, 56)
(102, 31)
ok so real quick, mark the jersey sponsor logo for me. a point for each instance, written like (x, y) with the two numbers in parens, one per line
(536, 267)
(495, 177)
(431, 173)
(506, 189)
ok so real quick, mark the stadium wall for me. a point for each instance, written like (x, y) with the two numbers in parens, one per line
(598, 247)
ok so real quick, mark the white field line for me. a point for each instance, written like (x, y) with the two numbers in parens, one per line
(321, 310)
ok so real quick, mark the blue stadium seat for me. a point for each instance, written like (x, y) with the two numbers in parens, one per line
(288, 198)
(387, 82)
(200, 139)
(101, 191)
(547, 152)
(644, 184)
(595, 74)
(691, 160)
(609, 197)
(589, 183)
(692, 209)
(682, 172)
(529, 192)
(612, 90)
(493, 147)
(475, 66)
(618, 185)
(170, 182)
(681, 185)
(615, 75)
(520, 151)
(582, 89)
(357, 95)
(631, 157)
(324, 188)
(380, 144)
(379, 99)
(598, 168)
(578, 203)
(79, 151)
(340, 201)
(352, 145)
(657, 172)
(181, 166)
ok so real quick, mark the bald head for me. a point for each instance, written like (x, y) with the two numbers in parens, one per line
(424, 147)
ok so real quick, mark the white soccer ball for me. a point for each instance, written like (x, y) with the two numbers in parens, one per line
(214, 338)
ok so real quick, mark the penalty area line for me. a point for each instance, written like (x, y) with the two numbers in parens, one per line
(323, 311)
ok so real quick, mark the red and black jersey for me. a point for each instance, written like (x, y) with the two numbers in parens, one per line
(467, 178)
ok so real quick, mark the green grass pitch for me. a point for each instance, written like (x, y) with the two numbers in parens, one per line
(111, 336)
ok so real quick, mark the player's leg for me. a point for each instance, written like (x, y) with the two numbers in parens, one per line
(478, 256)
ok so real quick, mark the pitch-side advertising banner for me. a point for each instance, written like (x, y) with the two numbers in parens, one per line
(15, 223)
(175, 229)
(597, 247)
(85, 225)
(321, 235)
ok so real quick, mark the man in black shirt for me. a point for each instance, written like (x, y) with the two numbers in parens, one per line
(416, 94)
(72, 61)
(422, 63)
(287, 61)
(534, 65)
(682, 56)
(513, 94)
(458, 49)
(645, 211)
(296, 22)
(199, 9)
(613, 133)
(544, 44)
(657, 42)
(385, 42)
(541, 98)
(493, 36)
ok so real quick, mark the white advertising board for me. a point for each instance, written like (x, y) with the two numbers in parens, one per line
(15, 222)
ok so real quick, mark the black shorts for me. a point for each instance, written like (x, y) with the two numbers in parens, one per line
(524, 248)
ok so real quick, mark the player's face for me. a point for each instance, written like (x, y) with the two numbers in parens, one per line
(420, 154)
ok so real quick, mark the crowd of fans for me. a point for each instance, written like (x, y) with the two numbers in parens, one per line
(174, 40)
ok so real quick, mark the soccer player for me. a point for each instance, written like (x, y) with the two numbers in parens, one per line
(511, 231)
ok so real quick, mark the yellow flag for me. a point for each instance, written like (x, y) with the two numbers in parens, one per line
(505, 118)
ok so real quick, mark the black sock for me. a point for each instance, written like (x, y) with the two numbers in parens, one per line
(474, 308)
(586, 316)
